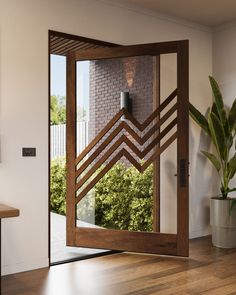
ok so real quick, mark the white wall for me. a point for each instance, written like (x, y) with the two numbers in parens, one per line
(24, 108)
(224, 57)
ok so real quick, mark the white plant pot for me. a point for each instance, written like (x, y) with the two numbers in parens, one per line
(223, 222)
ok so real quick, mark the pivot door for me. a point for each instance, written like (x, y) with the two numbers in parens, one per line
(138, 143)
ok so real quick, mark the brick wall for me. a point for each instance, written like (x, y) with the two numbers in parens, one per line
(108, 78)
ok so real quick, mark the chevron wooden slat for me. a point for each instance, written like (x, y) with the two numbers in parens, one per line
(100, 175)
(158, 124)
(158, 152)
(124, 153)
(147, 122)
(138, 125)
(159, 137)
(99, 149)
(124, 140)
(129, 143)
(98, 164)
(99, 136)
(117, 130)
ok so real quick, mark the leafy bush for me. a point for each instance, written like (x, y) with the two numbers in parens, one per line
(58, 186)
(123, 199)
(58, 110)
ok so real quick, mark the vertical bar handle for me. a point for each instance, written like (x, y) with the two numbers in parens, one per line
(182, 173)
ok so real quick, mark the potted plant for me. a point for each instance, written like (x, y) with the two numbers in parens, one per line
(220, 125)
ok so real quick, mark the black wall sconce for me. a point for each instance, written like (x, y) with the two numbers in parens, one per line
(125, 102)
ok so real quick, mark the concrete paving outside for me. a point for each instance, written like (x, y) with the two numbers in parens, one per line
(59, 250)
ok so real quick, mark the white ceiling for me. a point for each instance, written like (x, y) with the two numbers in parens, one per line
(208, 12)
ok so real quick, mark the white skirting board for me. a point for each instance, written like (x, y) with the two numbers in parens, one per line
(25, 266)
(200, 233)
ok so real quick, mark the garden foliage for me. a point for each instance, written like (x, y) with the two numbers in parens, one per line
(123, 197)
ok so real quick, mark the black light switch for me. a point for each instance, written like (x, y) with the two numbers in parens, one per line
(28, 152)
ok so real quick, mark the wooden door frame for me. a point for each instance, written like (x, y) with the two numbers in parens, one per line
(171, 244)
(79, 39)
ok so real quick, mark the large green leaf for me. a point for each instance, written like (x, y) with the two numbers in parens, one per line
(213, 160)
(232, 116)
(218, 107)
(214, 110)
(199, 118)
(232, 167)
(218, 135)
(218, 98)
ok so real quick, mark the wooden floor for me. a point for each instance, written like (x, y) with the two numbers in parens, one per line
(208, 270)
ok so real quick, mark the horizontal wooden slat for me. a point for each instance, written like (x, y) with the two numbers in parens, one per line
(61, 43)
(80, 39)
(76, 46)
(56, 41)
(53, 38)
(126, 51)
(122, 240)
(66, 45)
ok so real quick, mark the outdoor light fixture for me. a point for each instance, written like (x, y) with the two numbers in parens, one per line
(125, 102)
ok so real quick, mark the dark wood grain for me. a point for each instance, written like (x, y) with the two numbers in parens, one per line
(127, 240)
(81, 38)
(70, 148)
(126, 51)
(61, 43)
(156, 164)
(183, 147)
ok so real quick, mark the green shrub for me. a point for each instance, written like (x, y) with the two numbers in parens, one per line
(58, 186)
(123, 199)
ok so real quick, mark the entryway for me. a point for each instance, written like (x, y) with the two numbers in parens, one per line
(117, 129)
(59, 45)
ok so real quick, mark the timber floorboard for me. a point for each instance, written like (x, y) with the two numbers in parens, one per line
(208, 270)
